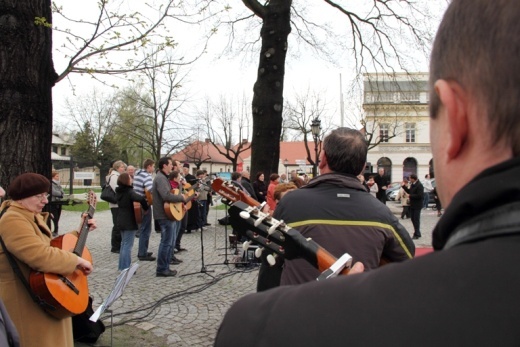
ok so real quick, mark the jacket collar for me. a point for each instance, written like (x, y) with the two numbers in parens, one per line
(337, 179)
(496, 186)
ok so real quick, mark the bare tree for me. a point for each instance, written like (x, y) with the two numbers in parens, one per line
(156, 119)
(380, 35)
(222, 119)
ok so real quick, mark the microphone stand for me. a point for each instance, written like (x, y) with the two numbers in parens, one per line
(203, 269)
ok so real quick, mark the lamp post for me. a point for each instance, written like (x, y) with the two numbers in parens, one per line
(286, 163)
(315, 130)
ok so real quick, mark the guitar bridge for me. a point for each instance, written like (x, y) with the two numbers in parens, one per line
(69, 284)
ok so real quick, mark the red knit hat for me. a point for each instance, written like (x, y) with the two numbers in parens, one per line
(28, 184)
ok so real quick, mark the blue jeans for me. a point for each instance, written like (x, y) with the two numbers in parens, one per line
(169, 230)
(125, 254)
(145, 229)
(426, 199)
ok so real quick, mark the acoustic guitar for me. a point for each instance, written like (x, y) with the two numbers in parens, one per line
(177, 210)
(67, 295)
(273, 235)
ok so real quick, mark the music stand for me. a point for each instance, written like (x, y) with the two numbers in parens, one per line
(119, 286)
(203, 269)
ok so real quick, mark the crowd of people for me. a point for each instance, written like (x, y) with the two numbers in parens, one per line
(459, 295)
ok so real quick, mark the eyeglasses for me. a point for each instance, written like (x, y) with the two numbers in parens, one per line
(42, 197)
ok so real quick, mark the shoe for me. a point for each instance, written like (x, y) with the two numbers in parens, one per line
(147, 258)
(175, 261)
(187, 232)
(207, 224)
(168, 273)
(416, 237)
(180, 249)
(115, 251)
(149, 253)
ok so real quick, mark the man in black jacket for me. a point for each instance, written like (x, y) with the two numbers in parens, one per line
(416, 192)
(382, 182)
(465, 293)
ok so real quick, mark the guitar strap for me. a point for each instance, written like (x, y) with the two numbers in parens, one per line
(39, 301)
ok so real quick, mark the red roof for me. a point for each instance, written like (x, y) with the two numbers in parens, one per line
(206, 152)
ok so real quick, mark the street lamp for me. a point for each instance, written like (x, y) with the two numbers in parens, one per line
(286, 163)
(315, 130)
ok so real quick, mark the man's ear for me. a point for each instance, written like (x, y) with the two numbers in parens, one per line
(323, 160)
(454, 103)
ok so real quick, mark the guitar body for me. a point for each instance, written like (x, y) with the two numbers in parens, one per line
(148, 196)
(174, 210)
(57, 290)
(68, 295)
(137, 212)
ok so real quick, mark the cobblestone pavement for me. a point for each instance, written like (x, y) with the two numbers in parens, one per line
(186, 310)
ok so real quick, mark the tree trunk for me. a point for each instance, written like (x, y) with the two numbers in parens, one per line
(268, 89)
(27, 76)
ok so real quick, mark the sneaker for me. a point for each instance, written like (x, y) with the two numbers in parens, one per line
(147, 258)
(168, 273)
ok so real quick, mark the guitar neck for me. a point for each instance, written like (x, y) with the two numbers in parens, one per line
(83, 231)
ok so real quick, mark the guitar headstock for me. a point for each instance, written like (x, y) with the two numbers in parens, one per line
(231, 193)
(273, 235)
(91, 201)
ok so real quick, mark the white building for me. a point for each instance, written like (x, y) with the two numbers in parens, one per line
(396, 114)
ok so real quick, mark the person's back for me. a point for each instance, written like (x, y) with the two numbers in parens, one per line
(337, 212)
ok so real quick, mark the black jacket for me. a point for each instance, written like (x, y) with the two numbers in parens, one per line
(126, 196)
(465, 294)
(416, 192)
(337, 212)
(249, 187)
(260, 190)
(381, 182)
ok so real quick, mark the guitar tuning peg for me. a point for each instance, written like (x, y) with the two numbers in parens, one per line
(258, 252)
(245, 245)
(244, 215)
(271, 259)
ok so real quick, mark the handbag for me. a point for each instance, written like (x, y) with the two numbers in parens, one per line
(108, 194)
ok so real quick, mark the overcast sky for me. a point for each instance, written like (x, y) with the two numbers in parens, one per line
(211, 76)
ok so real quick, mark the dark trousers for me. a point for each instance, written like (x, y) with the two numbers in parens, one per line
(184, 224)
(116, 233)
(415, 215)
(405, 212)
(55, 210)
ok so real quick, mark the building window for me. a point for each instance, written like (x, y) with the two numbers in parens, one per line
(410, 132)
(63, 151)
(55, 149)
(383, 132)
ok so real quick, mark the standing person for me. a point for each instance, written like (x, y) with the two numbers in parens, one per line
(246, 183)
(438, 205)
(382, 181)
(24, 231)
(404, 198)
(260, 187)
(117, 169)
(273, 182)
(416, 192)
(437, 299)
(57, 194)
(427, 189)
(335, 210)
(169, 228)
(283, 178)
(143, 181)
(202, 198)
(126, 222)
(373, 189)
(130, 169)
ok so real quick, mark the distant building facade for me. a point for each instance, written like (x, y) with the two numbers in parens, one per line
(396, 114)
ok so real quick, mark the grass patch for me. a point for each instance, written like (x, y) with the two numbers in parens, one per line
(220, 207)
(81, 190)
(100, 206)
